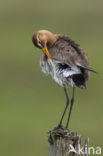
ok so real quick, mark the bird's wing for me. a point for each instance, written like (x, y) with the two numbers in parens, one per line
(67, 51)
(86, 68)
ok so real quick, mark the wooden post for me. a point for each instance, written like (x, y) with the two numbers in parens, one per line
(63, 141)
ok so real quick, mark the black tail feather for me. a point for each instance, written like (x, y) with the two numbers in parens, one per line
(79, 80)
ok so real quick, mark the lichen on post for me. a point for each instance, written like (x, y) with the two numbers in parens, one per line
(61, 140)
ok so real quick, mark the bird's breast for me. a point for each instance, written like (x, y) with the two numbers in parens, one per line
(61, 73)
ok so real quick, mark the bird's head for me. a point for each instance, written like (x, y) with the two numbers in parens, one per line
(44, 39)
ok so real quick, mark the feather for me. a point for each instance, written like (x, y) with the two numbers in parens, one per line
(87, 68)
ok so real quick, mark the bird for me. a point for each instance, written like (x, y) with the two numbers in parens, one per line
(65, 61)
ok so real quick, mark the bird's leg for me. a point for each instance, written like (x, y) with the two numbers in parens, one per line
(67, 104)
(72, 102)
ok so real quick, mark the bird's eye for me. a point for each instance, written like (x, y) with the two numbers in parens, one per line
(39, 42)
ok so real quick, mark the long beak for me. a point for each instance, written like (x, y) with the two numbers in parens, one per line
(45, 50)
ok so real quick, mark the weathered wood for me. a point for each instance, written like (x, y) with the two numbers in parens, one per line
(61, 142)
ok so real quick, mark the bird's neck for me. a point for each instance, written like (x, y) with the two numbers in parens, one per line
(52, 40)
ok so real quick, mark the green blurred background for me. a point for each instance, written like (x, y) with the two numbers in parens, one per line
(31, 103)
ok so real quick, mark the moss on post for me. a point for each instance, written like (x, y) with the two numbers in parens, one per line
(61, 142)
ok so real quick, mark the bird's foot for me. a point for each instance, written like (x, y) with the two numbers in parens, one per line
(58, 127)
(66, 127)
